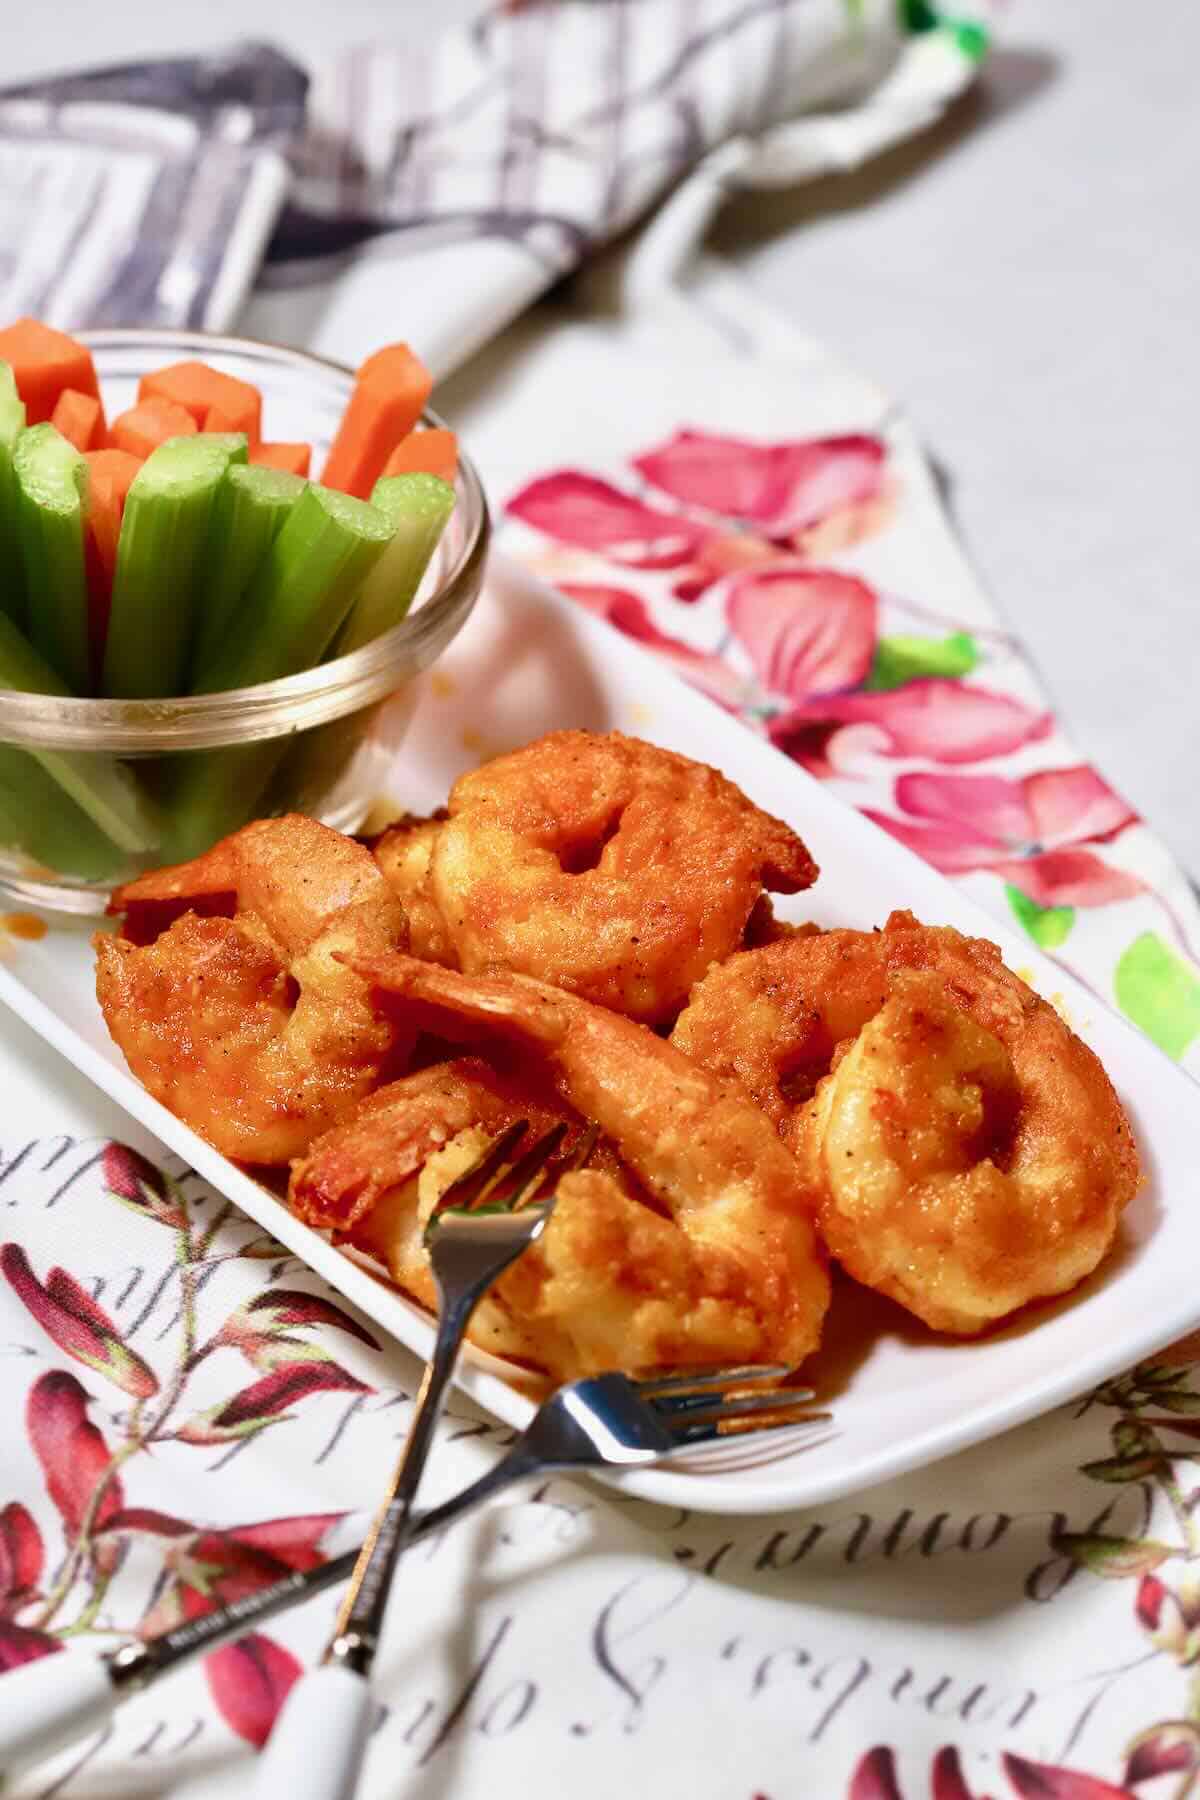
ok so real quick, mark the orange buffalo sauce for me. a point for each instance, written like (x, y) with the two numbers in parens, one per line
(23, 925)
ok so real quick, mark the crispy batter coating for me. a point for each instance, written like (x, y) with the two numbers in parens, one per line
(606, 866)
(964, 1148)
(404, 853)
(244, 1021)
(689, 1242)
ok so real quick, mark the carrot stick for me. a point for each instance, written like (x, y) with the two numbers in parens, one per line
(79, 418)
(293, 458)
(109, 475)
(201, 389)
(44, 362)
(433, 452)
(389, 397)
(148, 424)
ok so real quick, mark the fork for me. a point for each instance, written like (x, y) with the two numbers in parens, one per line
(484, 1221)
(601, 1421)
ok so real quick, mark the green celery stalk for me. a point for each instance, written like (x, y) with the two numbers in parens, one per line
(235, 444)
(38, 818)
(51, 483)
(98, 784)
(158, 565)
(214, 792)
(12, 567)
(417, 508)
(290, 612)
(249, 511)
(301, 593)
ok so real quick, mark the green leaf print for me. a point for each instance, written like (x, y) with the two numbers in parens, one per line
(1116, 1557)
(970, 36)
(901, 659)
(1160, 991)
(1048, 926)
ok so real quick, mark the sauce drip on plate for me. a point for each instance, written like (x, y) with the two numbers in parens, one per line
(23, 925)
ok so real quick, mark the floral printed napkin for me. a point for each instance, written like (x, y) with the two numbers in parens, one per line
(764, 521)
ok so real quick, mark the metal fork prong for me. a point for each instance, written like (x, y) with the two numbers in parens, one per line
(730, 1406)
(705, 1400)
(582, 1151)
(525, 1176)
(468, 1186)
(714, 1428)
(692, 1381)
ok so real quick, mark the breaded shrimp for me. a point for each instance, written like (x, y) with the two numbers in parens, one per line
(244, 1021)
(964, 1149)
(693, 1245)
(606, 866)
(404, 853)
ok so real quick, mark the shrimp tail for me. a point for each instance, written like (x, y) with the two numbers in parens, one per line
(461, 1006)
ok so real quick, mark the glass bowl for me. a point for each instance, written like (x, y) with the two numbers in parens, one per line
(319, 742)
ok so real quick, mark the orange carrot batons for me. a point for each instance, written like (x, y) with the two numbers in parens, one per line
(109, 474)
(203, 390)
(44, 362)
(433, 452)
(148, 424)
(294, 458)
(79, 418)
(389, 397)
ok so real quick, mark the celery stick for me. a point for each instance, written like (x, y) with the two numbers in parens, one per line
(98, 784)
(417, 508)
(38, 818)
(234, 443)
(51, 481)
(158, 565)
(301, 593)
(12, 568)
(249, 511)
(213, 792)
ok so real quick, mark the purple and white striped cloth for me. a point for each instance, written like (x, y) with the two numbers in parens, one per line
(500, 153)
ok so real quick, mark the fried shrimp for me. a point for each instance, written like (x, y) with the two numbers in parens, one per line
(227, 995)
(607, 867)
(404, 853)
(964, 1149)
(687, 1240)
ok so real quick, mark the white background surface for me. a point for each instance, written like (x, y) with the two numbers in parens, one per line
(1025, 280)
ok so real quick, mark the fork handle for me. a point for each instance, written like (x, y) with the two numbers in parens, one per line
(320, 1738)
(50, 1704)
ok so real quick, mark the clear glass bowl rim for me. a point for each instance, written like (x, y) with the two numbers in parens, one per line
(332, 690)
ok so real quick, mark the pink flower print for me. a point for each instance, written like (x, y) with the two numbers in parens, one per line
(219, 1567)
(1171, 1616)
(74, 1456)
(579, 509)
(808, 632)
(1047, 1781)
(933, 717)
(249, 1682)
(24, 1644)
(629, 613)
(875, 1779)
(267, 1401)
(21, 1558)
(1028, 832)
(784, 488)
(133, 1180)
(74, 1322)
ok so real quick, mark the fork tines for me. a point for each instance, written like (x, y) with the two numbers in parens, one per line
(494, 1183)
(700, 1405)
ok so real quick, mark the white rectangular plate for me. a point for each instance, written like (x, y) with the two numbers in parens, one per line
(531, 662)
